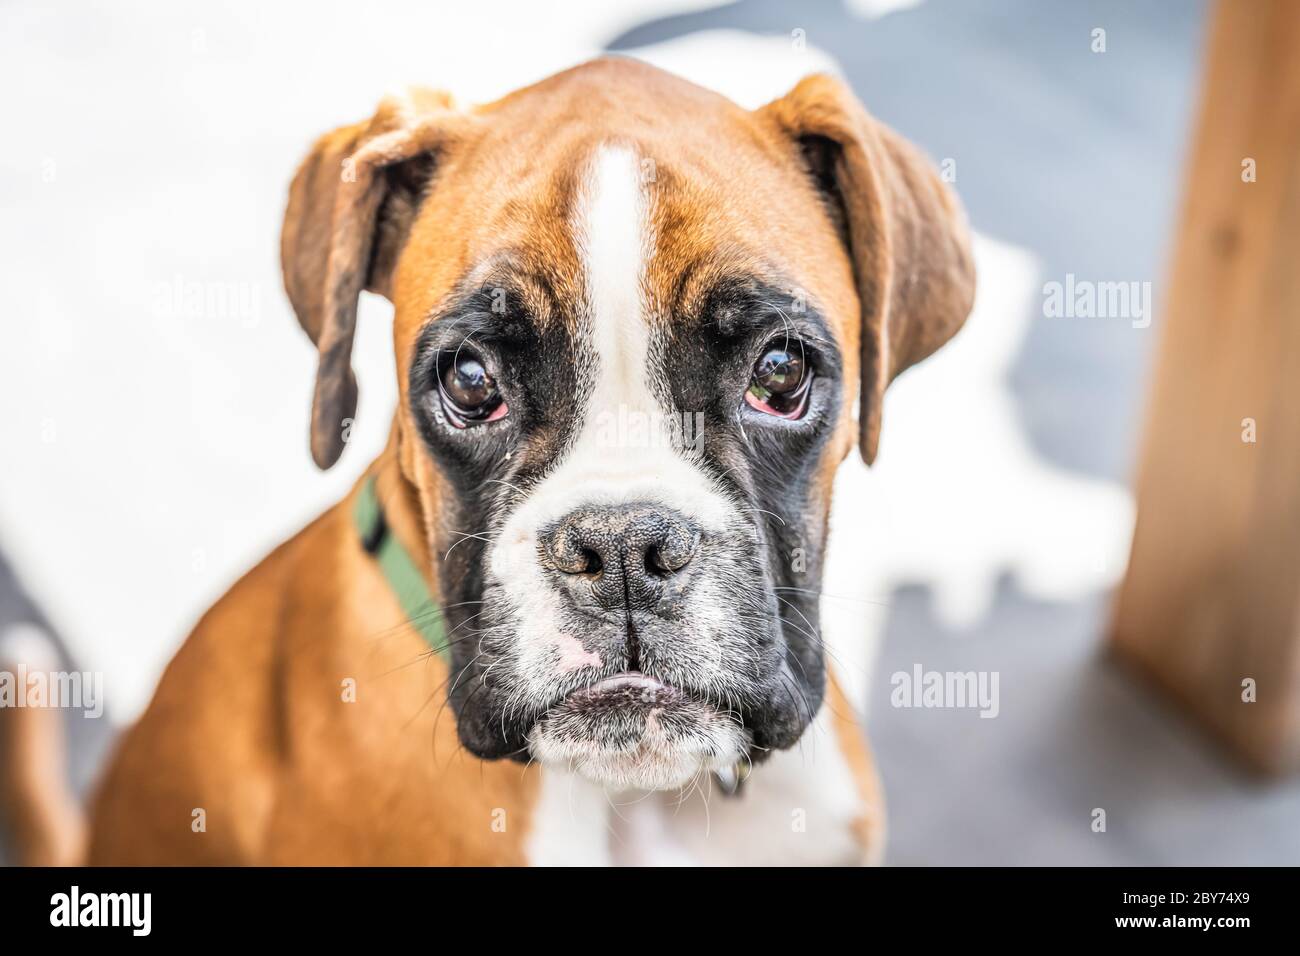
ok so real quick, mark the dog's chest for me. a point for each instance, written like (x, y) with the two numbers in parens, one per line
(800, 807)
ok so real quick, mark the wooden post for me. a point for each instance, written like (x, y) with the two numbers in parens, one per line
(1210, 609)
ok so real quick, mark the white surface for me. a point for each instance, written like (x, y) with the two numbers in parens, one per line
(957, 498)
(155, 441)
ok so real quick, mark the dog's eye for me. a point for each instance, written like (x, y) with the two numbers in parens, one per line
(469, 394)
(780, 382)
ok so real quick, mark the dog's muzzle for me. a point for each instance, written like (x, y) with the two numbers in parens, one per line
(629, 567)
(632, 634)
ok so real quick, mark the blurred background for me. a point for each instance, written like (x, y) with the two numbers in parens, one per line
(157, 385)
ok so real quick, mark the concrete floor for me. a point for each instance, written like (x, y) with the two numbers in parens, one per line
(1074, 733)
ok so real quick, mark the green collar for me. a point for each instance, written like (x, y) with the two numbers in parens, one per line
(399, 568)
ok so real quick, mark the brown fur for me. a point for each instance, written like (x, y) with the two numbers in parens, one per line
(248, 724)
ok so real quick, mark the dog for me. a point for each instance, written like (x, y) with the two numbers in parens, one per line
(570, 614)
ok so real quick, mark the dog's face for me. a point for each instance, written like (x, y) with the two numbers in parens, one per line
(631, 320)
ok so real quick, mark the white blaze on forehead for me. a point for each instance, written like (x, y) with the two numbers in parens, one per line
(613, 236)
(619, 453)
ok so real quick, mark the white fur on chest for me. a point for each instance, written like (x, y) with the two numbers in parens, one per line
(800, 807)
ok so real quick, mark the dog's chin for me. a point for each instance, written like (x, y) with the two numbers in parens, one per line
(632, 732)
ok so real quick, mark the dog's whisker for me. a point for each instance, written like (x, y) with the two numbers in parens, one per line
(423, 656)
(834, 597)
(463, 538)
(765, 512)
(500, 481)
(423, 617)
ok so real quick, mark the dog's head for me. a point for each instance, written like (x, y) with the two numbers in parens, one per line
(632, 322)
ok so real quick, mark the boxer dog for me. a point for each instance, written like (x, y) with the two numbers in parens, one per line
(570, 614)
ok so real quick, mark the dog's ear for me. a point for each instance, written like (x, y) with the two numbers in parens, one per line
(906, 233)
(350, 208)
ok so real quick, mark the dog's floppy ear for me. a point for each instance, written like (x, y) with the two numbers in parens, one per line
(907, 234)
(350, 207)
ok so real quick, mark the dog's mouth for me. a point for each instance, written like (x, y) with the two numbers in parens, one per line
(629, 690)
(620, 710)
(634, 730)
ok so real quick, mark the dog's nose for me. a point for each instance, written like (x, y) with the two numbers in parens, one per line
(629, 556)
